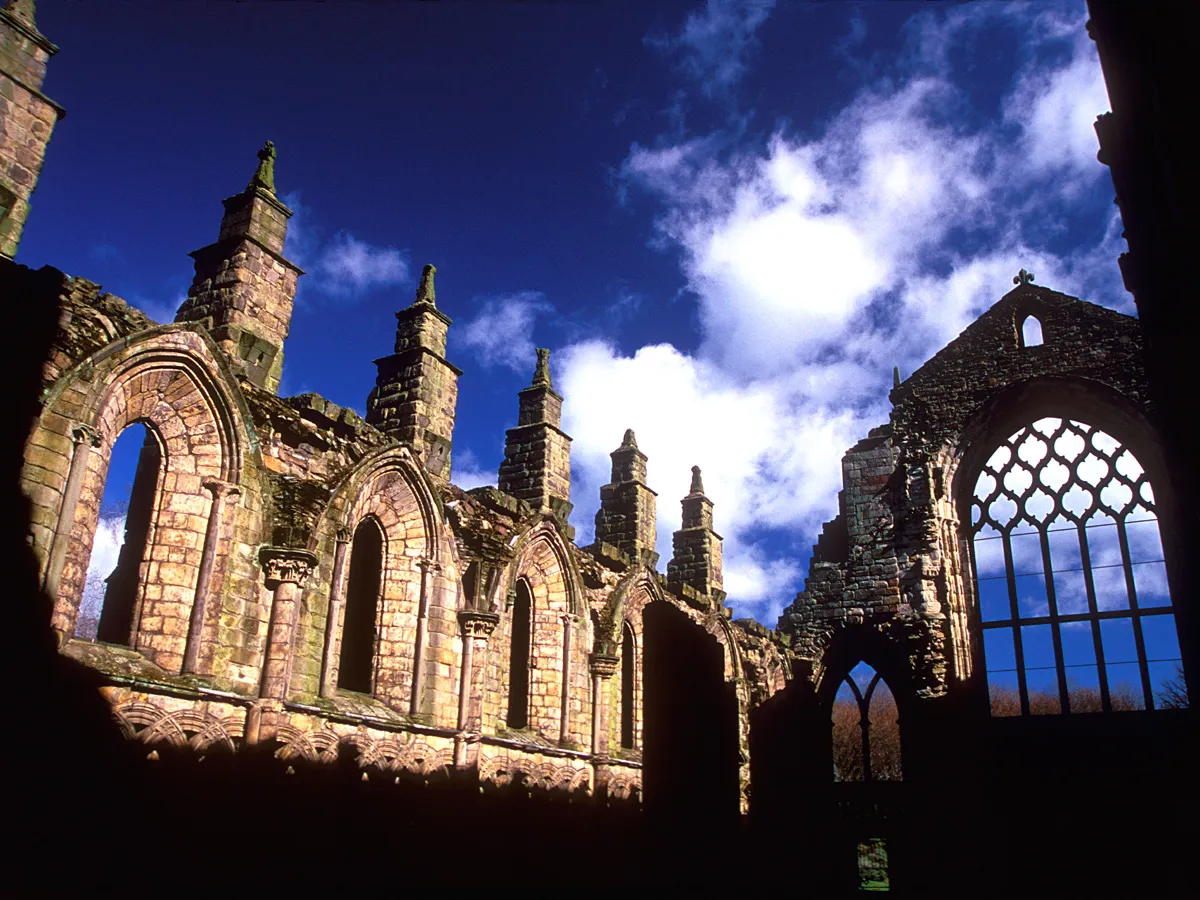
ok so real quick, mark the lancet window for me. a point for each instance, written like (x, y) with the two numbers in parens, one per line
(866, 729)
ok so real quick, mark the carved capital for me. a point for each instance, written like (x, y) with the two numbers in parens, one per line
(85, 434)
(428, 565)
(284, 566)
(477, 624)
(603, 665)
(221, 489)
(342, 536)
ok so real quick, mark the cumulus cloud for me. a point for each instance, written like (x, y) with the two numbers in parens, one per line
(714, 43)
(501, 333)
(817, 264)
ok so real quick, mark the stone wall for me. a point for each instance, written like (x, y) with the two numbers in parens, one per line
(27, 117)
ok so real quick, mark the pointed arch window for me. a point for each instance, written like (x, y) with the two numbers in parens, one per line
(109, 603)
(356, 663)
(1070, 579)
(866, 729)
(1031, 332)
(519, 658)
(628, 686)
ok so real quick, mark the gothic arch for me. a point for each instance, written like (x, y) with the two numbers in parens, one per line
(418, 578)
(1100, 409)
(953, 468)
(168, 379)
(559, 686)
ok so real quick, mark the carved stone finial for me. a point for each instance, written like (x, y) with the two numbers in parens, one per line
(630, 439)
(541, 375)
(264, 175)
(895, 376)
(697, 483)
(1023, 277)
(425, 292)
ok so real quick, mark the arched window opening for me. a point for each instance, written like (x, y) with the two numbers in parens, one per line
(357, 660)
(1031, 332)
(1070, 577)
(126, 509)
(866, 729)
(518, 662)
(628, 669)
(470, 585)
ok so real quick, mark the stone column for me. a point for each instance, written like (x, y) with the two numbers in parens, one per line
(342, 540)
(418, 680)
(220, 491)
(564, 719)
(286, 571)
(476, 627)
(85, 438)
(603, 668)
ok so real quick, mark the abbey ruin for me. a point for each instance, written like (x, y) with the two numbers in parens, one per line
(305, 595)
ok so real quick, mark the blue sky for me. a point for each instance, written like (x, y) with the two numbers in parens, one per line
(729, 220)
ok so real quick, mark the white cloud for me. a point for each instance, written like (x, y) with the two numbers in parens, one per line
(343, 267)
(714, 43)
(469, 473)
(818, 264)
(110, 534)
(348, 266)
(501, 333)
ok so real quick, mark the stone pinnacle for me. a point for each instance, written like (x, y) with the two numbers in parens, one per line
(630, 439)
(425, 292)
(697, 483)
(264, 175)
(541, 375)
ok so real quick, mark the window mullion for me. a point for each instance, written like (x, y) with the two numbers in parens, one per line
(1052, 602)
(1138, 638)
(1018, 647)
(1090, 586)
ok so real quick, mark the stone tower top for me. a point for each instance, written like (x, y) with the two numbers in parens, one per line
(425, 292)
(697, 508)
(244, 289)
(541, 373)
(540, 402)
(264, 175)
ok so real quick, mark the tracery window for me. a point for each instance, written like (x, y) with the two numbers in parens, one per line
(866, 729)
(1070, 577)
